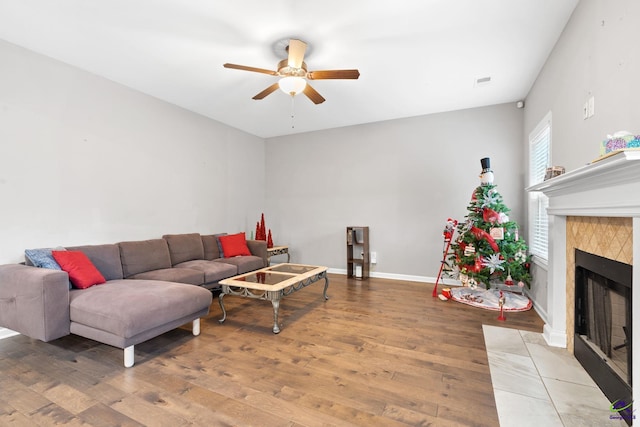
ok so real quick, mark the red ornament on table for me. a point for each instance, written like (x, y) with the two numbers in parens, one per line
(269, 240)
(263, 230)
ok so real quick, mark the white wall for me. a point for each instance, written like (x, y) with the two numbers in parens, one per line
(84, 160)
(597, 54)
(403, 178)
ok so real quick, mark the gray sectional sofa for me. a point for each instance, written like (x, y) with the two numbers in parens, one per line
(149, 290)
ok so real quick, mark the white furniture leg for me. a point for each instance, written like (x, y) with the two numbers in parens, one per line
(196, 327)
(128, 357)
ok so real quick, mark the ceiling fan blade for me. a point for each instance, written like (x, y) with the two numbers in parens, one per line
(313, 94)
(333, 74)
(296, 53)
(245, 68)
(267, 91)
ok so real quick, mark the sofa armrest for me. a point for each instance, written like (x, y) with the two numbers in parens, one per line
(34, 301)
(259, 248)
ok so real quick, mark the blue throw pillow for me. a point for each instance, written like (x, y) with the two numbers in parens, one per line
(42, 258)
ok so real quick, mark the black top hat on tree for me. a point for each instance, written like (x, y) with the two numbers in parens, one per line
(486, 164)
(486, 176)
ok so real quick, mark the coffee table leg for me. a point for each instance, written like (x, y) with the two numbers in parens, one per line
(326, 286)
(224, 312)
(276, 308)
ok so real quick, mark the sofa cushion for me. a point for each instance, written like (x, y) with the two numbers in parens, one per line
(82, 273)
(210, 245)
(179, 275)
(213, 271)
(42, 258)
(106, 258)
(142, 256)
(184, 247)
(234, 245)
(245, 264)
(148, 304)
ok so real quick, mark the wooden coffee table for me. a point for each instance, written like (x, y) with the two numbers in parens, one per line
(272, 284)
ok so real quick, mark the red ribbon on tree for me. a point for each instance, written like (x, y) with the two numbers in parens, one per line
(481, 234)
(489, 215)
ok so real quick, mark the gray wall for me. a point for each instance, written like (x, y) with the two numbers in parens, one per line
(403, 178)
(84, 160)
(598, 54)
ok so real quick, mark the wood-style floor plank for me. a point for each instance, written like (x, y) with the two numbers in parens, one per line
(379, 352)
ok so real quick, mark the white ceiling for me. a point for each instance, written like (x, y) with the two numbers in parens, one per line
(415, 56)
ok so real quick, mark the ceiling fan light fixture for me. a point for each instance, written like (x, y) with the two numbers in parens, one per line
(292, 85)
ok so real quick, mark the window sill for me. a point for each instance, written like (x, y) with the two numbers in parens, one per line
(540, 262)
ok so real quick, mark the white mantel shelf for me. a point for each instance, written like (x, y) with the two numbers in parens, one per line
(608, 187)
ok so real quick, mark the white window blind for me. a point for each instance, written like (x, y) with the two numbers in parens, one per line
(539, 160)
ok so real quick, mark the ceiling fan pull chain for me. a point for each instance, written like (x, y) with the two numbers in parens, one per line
(293, 111)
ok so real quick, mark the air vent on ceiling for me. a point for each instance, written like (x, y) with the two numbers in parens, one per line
(483, 81)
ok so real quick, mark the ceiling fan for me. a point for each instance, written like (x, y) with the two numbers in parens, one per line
(294, 74)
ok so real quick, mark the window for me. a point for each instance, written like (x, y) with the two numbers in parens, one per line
(539, 160)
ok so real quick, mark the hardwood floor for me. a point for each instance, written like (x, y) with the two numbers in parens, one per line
(379, 352)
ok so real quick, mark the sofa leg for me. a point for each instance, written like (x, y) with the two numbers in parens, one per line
(128, 357)
(196, 327)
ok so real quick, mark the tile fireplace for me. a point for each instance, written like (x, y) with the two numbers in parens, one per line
(596, 210)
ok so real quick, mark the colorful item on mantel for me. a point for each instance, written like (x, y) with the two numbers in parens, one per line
(619, 141)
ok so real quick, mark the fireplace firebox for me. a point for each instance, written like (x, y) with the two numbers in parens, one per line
(603, 326)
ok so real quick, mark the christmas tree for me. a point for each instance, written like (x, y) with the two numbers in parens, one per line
(489, 249)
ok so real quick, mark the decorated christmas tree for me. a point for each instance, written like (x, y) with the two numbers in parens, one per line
(489, 249)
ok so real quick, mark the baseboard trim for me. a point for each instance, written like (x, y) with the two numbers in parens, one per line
(553, 337)
(404, 277)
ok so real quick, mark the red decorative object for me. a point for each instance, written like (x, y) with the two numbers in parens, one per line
(82, 272)
(257, 230)
(234, 245)
(509, 280)
(449, 229)
(269, 240)
(481, 234)
(263, 230)
(477, 265)
(501, 304)
(489, 215)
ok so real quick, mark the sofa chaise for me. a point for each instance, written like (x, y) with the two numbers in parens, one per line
(147, 290)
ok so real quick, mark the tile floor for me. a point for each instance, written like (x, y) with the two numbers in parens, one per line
(537, 385)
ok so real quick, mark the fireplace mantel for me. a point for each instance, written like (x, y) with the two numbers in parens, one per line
(608, 187)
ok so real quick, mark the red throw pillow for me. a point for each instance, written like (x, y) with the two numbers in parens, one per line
(81, 270)
(234, 245)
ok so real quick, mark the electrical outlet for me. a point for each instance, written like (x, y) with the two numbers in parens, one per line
(374, 257)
